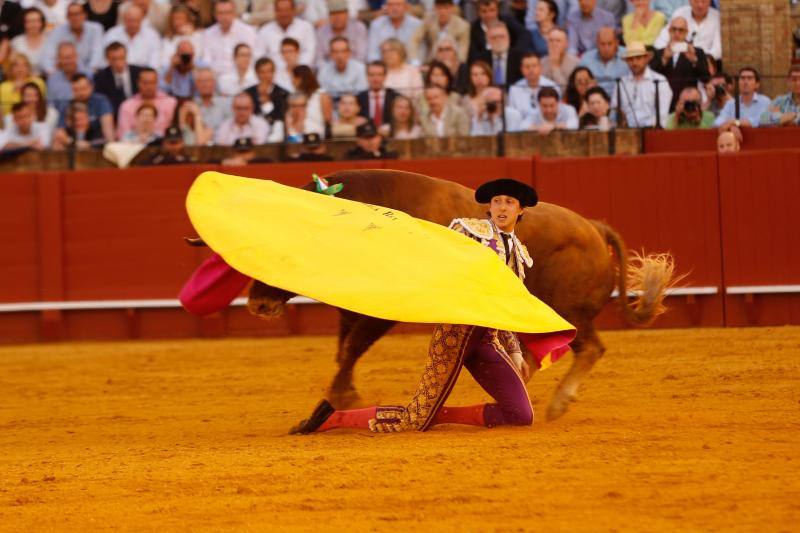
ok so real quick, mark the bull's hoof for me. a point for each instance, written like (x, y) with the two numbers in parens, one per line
(558, 407)
(344, 398)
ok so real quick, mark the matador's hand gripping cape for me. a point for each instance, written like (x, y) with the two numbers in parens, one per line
(368, 259)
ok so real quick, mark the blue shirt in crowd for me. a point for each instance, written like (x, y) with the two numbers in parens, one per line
(751, 113)
(382, 29)
(605, 73)
(98, 105)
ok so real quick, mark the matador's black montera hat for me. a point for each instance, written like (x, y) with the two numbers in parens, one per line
(516, 189)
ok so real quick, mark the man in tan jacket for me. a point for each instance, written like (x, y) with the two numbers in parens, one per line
(443, 118)
(443, 18)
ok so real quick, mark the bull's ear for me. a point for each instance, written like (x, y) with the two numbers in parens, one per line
(196, 241)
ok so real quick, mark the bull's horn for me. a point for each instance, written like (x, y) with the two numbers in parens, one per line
(196, 241)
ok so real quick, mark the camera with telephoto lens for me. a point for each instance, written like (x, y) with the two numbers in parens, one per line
(719, 90)
(491, 107)
(186, 58)
(690, 106)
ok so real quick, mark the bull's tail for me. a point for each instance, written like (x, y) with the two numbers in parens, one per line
(649, 276)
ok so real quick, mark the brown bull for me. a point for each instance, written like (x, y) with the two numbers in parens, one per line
(573, 271)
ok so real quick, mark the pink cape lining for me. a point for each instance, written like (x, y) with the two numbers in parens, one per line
(212, 287)
(555, 344)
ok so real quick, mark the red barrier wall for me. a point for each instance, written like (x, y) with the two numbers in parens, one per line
(659, 203)
(100, 235)
(760, 199)
(663, 141)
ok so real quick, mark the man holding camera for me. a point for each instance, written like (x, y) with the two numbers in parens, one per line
(718, 91)
(689, 112)
(489, 121)
(683, 64)
(178, 79)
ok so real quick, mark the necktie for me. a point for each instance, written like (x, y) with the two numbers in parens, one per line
(377, 116)
(118, 79)
(498, 70)
(505, 237)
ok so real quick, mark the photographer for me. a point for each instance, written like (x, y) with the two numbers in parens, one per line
(689, 112)
(683, 64)
(718, 91)
(488, 120)
(178, 78)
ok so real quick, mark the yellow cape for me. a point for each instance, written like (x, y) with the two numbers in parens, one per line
(369, 259)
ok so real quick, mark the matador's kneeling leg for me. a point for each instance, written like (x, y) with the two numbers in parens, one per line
(451, 347)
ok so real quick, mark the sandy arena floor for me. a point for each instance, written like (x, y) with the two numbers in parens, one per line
(676, 430)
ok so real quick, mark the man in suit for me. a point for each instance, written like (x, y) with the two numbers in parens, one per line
(119, 80)
(504, 60)
(488, 13)
(269, 99)
(376, 101)
(680, 62)
(443, 118)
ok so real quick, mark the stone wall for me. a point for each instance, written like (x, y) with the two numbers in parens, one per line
(758, 33)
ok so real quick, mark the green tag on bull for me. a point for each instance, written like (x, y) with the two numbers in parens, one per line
(324, 188)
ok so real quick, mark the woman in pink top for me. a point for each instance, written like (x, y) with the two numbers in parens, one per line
(400, 76)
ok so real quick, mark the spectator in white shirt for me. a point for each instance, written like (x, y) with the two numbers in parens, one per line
(55, 11)
(342, 74)
(552, 114)
(638, 91)
(142, 42)
(395, 24)
(287, 24)
(24, 132)
(31, 43)
(242, 76)
(284, 68)
(220, 39)
(245, 124)
(85, 35)
(704, 30)
(400, 75)
(524, 95)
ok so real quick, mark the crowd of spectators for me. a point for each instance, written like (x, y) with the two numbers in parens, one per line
(153, 72)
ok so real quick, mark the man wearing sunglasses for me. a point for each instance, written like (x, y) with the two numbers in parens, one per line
(681, 62)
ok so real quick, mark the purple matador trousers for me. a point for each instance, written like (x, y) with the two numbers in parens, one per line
(497, 374)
